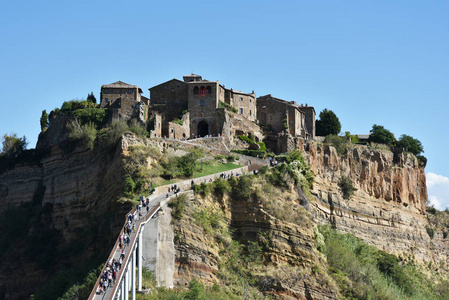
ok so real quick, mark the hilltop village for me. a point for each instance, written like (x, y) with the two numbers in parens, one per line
(195, 107)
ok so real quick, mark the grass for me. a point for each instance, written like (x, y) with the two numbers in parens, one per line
(209, 169)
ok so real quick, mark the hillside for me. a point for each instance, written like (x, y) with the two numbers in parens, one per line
(258, 236)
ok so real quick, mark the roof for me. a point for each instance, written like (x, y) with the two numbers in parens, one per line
(174, 79)
(192, 75)
(362, 136)
(121, 85)
(291, 103)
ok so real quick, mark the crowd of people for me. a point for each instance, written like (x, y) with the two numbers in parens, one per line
(113, 266)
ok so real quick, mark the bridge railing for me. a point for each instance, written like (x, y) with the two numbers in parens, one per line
(119, 277)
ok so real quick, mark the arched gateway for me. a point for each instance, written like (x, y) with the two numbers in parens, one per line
(202, 128)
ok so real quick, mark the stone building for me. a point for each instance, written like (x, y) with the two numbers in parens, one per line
(279, 118)
(205, 103)
(124, 100)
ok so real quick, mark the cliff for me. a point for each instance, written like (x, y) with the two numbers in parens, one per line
(58, 215)
(388, 208)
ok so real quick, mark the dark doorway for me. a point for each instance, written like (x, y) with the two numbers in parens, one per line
(203, 129)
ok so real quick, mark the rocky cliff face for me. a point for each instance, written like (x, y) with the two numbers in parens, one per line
(66, 206)
(389, 203)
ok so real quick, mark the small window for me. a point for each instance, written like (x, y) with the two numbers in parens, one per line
(241, 98)
(195, 90)
(106, 91)
(106, 100)
(130, 91)
(249, 100)
(172, 130)
(250, 112)
(209, 90)
(203, 103)
(241, 111)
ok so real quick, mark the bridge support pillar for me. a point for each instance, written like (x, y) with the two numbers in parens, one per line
(139, 261)
(126, 284)
(133, 275)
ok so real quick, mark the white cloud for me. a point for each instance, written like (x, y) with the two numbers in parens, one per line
(438, 190)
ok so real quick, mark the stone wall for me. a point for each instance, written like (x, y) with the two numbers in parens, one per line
(309, 120)
(177, 131)
(245, 104)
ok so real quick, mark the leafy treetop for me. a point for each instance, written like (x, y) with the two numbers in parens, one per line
(13, 146)
(328, 123)
(381, 135)
(410, 144)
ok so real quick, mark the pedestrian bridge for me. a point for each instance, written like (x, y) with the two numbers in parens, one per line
(128, 279)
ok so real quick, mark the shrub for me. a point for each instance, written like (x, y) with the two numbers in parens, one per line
(381, 135)
(246, 139)
(340, 143)
(138, 128)
(232, 157)
(130, 185)
(86, 133)
(96, 116)
(430, 231)
(177, 205)
(228, 107)
(221, 187)
(177, 121)
(410, 144)
(346, 187)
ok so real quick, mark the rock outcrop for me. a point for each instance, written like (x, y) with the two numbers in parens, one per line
(389, 202)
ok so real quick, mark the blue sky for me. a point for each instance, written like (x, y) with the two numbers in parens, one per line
(371, 62)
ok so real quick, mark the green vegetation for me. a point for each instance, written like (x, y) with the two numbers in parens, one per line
(346, 187)
(364, 272)
(228, 107)
(212, 168)
(328, 123)
(13, 146)
(285, 124)
(91, 98)
(177, 205)
(44, 120)
(410, 144)
(353, 138)
(85, 134)
(177, 121)
(340, 143)
(381, 135)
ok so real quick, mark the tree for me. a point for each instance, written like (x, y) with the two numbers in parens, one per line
(328, 123)
(381, 135)
(91, 97)
(410, 144)
(44, 120)
(13, 146)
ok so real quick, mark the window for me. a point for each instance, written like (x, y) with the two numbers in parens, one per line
(241, 111)
(130, 91)
(250, 112)
(106, 100)
(202, 91)
(209, 90)
(195, 90)
(241, 98)
(203, 103)
(106, 91)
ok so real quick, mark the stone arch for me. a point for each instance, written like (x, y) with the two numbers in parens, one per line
(195, 90)
(209, 90)
(202, 128)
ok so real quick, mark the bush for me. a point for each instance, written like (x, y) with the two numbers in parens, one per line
(430, 231)
(232, 157)
(177, 121)
(130, 185)
(340, 143)
(96, 116)
(246, 139)
(177, 205)
(86, 134)
(346, 187)
(228, 107)
(138, 129)
(221, 187)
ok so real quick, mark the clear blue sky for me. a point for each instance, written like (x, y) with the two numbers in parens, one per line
(371, 62)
